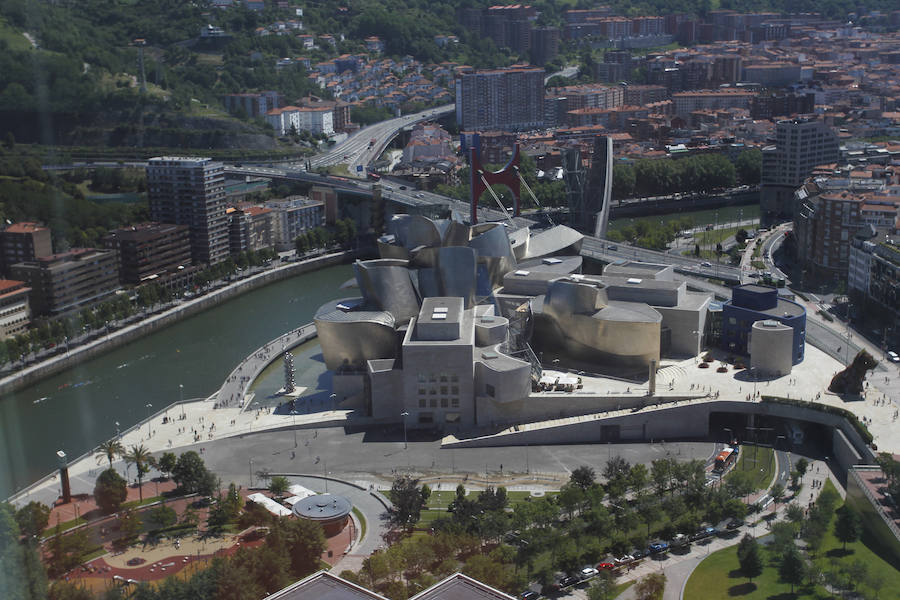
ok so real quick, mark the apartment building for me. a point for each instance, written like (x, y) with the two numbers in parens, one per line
(191, 191)
(315, 119)
(149, 250)
(23, 241)
(801, 144)
(253, 104)
(291, 217)
(15, 313)
(68, 281)
(510, 99)
(688, 102)
(250, 229)
(874, 276)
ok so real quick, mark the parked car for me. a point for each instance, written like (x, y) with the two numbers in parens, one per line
(625, 558)
(734, 524)
(892, 356)
(402, 187)
(588, 572)
(568, 581)
(529, 595)
(706, 264)
(606, 566)
(638, 553)
(657, 547)
(612, 247)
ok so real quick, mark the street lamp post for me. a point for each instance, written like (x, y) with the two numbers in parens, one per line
(294, 426)
(404, 414)
(333, 401)
(149, 406)
(181, 398)
(117, 430)
(250, 468)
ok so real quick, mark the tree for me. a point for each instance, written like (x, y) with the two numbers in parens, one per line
(130, 526)
(161, 517)
(110, 491)
(777, 493)
(22, 576)
(140, 457)
(189, 471)
(305, 542)
(278, 486)
(407, 500)
(166, 463)
(32, 519)
(847, 527)
(616, 467)
(791, 570)
(638, 477)
(651, 587)
(109, 450)
(749, 558)
(583, 477)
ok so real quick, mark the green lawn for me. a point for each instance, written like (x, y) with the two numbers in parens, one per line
(13, 37)
(362, 522)
(759, 462)
(718, 578)
(713, 237)
(831, 548)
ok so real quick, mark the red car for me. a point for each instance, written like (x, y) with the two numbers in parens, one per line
(606, 565)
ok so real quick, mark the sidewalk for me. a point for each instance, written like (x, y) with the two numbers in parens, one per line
(678, 568)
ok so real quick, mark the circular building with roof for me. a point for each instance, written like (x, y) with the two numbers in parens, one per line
(331, 511)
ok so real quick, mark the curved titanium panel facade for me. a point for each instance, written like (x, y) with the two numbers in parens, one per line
(349, 339)
(618, 332)
(388, 286)
(456, 270)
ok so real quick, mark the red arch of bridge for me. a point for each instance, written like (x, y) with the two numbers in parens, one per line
(508, 176)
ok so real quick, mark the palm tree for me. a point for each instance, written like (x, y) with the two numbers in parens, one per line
(109, 450)
(140, 457)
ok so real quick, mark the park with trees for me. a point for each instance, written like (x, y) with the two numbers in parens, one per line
(812, 554)
(510, 539)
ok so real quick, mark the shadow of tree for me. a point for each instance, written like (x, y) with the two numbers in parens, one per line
(839, 552)
(735, 574)
(742, 589)
(783, 596)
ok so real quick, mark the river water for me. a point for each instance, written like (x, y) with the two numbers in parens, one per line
(75, 410)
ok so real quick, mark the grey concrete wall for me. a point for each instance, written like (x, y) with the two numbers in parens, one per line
(669, 422)
(844, 452)
(132, 332)
(683, 323)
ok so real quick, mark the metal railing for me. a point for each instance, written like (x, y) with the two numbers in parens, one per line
(875, 502)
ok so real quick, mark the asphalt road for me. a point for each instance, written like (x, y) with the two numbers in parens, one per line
(377, 456)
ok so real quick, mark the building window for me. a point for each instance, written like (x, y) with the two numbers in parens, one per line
(432, 377)
(422, 391)
(426, 417)
(454, 402)
(732, 321)
(454, 377)
(421, 378)
(444, 390)
(454, 389)
(443, 377)
(421, 402)
(432, 392)
(443, 403)
(489, 389)
(433, 403)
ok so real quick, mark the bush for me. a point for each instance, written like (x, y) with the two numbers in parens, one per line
(722, 369)
(708, 357)
(704, 365)
(110, 491)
